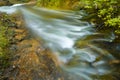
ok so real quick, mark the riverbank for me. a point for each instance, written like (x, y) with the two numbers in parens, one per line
(6, 35)
(25, 58)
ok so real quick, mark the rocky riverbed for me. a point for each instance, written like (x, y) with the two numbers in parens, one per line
(29, 59)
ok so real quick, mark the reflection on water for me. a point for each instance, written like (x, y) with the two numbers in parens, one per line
(81, 52)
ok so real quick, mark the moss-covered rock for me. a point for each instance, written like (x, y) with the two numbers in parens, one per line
(5, 35)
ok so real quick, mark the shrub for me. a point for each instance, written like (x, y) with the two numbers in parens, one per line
(103, 11)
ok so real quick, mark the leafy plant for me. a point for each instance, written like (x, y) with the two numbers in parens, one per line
(105, 11)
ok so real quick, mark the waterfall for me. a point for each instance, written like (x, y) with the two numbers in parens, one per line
(61, 31)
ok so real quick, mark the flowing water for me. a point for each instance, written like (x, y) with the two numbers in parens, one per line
(75, 43)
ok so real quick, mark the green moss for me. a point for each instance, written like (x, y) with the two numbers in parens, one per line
(5, 23)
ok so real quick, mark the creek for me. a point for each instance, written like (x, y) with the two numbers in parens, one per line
(81, 52)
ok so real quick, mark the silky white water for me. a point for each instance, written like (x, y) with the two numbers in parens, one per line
(61, 30)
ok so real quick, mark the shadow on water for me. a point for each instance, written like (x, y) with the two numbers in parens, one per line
(81, 52)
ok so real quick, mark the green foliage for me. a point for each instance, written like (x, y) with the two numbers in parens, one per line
(57, 4)
(105, 11)
(19, 1)
(113, 22)
(49, 3)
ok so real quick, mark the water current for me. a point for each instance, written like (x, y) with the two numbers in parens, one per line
(74, 42)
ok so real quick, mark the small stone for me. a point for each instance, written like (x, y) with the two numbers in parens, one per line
(59, 79)
(13, 66)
